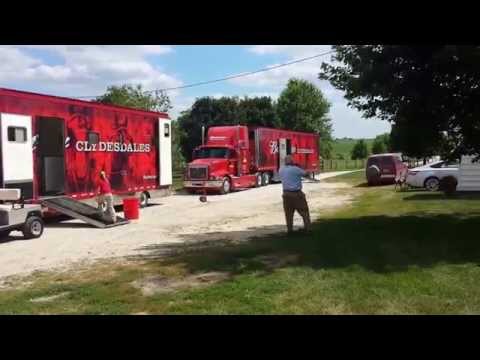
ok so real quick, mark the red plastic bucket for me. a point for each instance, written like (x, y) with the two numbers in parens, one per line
(131, 208)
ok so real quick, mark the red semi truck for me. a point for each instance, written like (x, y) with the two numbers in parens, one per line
(53, 146)
(234, 157)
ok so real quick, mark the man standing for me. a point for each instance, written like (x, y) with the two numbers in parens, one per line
(293, 197)
(105, 196)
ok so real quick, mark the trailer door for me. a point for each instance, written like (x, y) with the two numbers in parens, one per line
(165, 151)
(282, 151)
(17, 154)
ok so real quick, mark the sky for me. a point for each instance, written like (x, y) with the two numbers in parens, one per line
(87, 70)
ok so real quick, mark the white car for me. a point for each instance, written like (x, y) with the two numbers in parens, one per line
(429, 176)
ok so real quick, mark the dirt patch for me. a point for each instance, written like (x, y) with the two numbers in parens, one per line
(157, 284)
(277, 261)
(45, 299)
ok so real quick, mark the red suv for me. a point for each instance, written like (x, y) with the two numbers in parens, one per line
(384, 168)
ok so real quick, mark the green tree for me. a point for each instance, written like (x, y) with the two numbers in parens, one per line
(258, 111)
(381, 144)
(301, 106)
(360, 150)
(135, 97)
(429, 93)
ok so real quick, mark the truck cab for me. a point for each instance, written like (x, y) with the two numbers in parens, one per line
(222, 163)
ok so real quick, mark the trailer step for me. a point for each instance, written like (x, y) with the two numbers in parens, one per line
(81, 211)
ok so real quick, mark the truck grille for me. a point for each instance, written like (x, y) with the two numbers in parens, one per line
(198, 173)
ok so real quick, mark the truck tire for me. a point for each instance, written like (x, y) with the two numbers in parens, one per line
(226, 186)
(265, 178)
(373, 175)
(143, 200)
(33, 227)
(259, 180)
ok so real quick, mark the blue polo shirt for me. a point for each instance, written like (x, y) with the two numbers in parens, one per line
(291, 177)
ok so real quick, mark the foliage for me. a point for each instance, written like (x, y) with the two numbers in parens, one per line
(343, 147)
(206, 111)
(136, 97)
(381, 144)
(301, 106)
(360, 150)
(431, 94)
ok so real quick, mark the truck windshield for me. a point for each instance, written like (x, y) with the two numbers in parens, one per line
(206, 153)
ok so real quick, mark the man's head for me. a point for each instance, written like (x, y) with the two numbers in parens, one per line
(288, 160)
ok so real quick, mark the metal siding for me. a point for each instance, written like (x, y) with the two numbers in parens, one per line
(469, 175)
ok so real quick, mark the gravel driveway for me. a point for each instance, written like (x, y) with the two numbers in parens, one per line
(171, 220)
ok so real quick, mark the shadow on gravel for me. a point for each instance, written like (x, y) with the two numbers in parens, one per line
(380, 244)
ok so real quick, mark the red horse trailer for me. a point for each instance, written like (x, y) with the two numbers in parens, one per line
(236, 157)
(55, 146)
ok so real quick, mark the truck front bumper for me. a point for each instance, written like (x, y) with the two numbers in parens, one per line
(201, 184)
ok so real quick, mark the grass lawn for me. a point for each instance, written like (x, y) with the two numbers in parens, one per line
(387, 253)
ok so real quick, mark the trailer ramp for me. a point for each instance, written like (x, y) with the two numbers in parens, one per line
(81, 211)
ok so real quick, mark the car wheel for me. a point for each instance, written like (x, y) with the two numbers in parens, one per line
(143, 200)
(432, 184)
(226, 186)
(265, 178)
(33, 227)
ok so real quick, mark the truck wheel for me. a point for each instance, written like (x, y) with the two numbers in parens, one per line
(373, 175)
(33, 228)
(265, 178)
(143, 200)
(259, 180)
(226, 186)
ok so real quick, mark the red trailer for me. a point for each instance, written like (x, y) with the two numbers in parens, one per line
(236, 157)
(54, 146)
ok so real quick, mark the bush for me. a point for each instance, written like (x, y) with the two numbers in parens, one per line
(448, 185)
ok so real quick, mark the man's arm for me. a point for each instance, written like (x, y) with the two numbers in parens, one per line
(302, 172)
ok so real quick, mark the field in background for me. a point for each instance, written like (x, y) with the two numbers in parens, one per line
(339, 165)
(345, 146)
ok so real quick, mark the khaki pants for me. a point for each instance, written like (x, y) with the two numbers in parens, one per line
(109, 209)
(296, 201)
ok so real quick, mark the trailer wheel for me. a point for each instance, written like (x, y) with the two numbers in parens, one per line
(226, 186)
(33, 227)
(144, 200)
(265, 178)
(259, 180)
